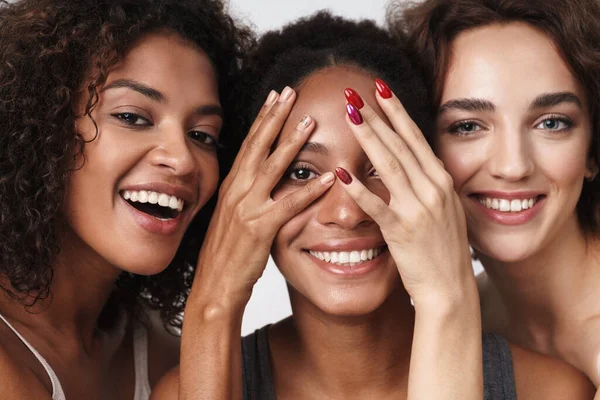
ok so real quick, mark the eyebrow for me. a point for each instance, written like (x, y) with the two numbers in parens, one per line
(147, 91)
(212, 109)
(315, 147)
(467, 105)
(554, 99)
(155, 95)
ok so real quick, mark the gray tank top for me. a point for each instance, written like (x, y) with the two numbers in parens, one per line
(498, 377)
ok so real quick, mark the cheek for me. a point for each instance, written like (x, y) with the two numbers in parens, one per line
(460, 160)
(572, 165)
(209, 177)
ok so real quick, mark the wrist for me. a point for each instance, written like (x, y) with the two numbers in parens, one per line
(461, 300)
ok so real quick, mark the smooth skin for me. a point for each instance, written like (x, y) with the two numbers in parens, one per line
(542, 276)
(141, 139)
(366, 326)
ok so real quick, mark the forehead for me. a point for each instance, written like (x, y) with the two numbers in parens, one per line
(507, 64)
(164, 60)
(321, 96)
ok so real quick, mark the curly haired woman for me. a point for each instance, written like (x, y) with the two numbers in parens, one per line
(111, 147)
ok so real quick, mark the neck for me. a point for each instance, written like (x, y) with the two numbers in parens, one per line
(81, 284)
(351, 354)
(551, 290)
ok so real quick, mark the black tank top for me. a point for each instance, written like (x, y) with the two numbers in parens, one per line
(498, 377)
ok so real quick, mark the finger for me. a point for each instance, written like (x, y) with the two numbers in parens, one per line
(264, 110)
(370, 203)
(291, 205)
(259, 144)
(420, 182)
(409, 131)
(388, 166)
(277, 164)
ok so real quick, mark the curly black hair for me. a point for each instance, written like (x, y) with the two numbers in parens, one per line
(288, 56)
(53, 53)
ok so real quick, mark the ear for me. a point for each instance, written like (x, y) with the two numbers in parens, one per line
(592, 169)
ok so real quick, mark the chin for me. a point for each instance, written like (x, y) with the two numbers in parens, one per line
(143, 263)
(350, 304)
(505, 251)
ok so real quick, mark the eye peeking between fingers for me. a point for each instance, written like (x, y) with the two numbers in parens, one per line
(299, 174)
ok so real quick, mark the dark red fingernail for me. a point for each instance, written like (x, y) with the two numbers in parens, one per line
(383, 89)
(354, 98)
(343, 175)
(354, 114)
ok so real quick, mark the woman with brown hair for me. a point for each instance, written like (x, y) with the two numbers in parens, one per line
(515, 87)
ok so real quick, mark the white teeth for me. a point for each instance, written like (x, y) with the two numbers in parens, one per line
(162, 199)
(505, 205)
(515, 205)
(349, 258)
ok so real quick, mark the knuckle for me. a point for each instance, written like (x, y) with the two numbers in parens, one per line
(435, 198)
(370, 117)
(447, 181)
(268, 166)
(393, 164)
(253, 143)
(399, 146)
(289, 204)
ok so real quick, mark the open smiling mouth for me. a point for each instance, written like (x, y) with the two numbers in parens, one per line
(159, 205)
(348, 258)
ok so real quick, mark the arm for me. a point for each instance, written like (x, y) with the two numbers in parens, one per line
(19, 383)
(235, 253)
(424, 227)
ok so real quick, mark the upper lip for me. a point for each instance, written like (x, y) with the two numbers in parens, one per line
(520, 195)
(347, 244)
(182, 192)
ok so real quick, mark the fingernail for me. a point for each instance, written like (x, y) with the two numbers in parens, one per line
(354, 98)
(272, 97)
(304, 122)
(327, 178)
(286, 94)
(383, 89)
(354, 114)
(343, 175)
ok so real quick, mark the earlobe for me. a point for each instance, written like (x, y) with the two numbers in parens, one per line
(592, 170)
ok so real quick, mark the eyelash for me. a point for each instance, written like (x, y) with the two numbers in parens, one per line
(297, 167)
(199, 137)
(560, 118)
(454, 129)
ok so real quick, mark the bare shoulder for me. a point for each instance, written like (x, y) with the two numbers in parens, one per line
(163, 348)
(17, 380)
(542, 377)
(168, 386)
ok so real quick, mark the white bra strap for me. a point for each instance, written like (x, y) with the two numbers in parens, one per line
(57, 392)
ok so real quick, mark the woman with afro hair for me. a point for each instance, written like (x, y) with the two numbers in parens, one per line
(113, 135)
(388, 229)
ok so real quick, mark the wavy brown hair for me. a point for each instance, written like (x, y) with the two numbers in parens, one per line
(53, 53)
(573, 25)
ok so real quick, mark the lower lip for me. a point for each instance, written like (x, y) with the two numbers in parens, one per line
(511, 218)
(152, 224)
(355, 271)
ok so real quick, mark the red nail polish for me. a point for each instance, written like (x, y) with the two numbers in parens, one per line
(343, 175)
(354, 98)
(383, 89)
(354, 114)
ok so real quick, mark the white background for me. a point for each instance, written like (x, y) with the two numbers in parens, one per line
(269, 302)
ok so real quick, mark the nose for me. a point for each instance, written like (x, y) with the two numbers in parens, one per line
(338, 209)
(173, 151)
(512, 157)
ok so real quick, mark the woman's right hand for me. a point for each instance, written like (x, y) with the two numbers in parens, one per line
(246, 219)
(235, 252)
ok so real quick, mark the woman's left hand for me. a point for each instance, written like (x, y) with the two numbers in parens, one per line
(425, 229)
(424, 223)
